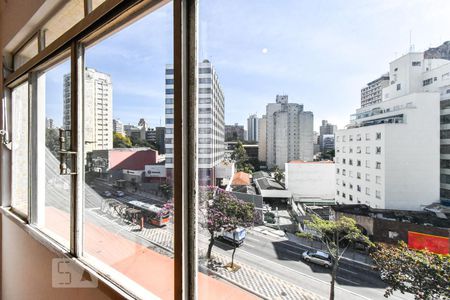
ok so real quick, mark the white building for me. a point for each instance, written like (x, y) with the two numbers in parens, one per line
(211, 122)
(262, 125)
(252, 128)
(289, 133)
(373, 91)
(311, 179)
(388, 157)
(97, 119)
(118, 127)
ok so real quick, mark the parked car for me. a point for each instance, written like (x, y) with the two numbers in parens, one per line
(120, 194)
(236, 236)
(107, 194)
(318, 257)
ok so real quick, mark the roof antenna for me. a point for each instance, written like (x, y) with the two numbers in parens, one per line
(411, 46)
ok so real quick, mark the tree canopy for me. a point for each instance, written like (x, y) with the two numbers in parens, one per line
(424, 274)
(121, 141)
(240, 156)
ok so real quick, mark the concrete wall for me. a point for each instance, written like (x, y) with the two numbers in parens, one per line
(311, 179)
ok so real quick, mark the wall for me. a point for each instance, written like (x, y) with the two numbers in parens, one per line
(311, 179)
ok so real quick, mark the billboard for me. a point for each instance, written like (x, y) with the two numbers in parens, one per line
(155, 171)
(434, 243)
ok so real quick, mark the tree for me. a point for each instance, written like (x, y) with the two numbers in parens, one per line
(279, 175)
(121, 141)
(52, 141)
(422, 273)
(240, 156)
(327, 155)
(333, 234)
(223, 211)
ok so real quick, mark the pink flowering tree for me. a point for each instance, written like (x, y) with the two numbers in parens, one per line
(223, 211)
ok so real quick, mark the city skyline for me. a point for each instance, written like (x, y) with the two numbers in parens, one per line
(268, 63)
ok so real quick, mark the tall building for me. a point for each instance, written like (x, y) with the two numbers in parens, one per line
(118, 127)
(326, 129)
(289, 132)
(262, 125)
(98, 125)
(49, 124)
(252, 128)
(234, 132)
(372, 92)
(211, 122)
(160, 136)
(388, 157)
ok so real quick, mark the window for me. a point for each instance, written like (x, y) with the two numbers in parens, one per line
(203, 100)
(343, 183)
(343, 161)
(399, 86)
(343, 172)
(427, 81)
(416, 63)
(378, 135)
(350, 162)
(378, 179)
(358, 163)
(358, 137)
(337, 193)
(350, 174)
(367, 191)
(204, 80)
(358, 149)
(378, 194)
(367, 150)
(169, 121)
(343, 150)
(358, 188)
(350, 197)
(169, 91)
(350, 138)
(378, 165)
(378, 150)
(204, 70)
(337, 170)
(367, 136)
(169, 111)
(367, 164)
(169, 81)
(367, 177)
(350, 186)
(19, 148)
(344, 138)
(350, 150)
(358, 175)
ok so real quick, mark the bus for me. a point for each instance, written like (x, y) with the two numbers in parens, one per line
(152, 214)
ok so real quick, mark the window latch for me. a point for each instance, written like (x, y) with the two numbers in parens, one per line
(64, 154)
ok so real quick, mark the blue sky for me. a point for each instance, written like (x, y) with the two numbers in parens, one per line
(320, 53)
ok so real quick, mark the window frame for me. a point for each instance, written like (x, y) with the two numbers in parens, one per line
(108, 16)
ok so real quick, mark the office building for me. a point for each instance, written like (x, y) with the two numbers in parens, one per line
(234, 132)
(262, 125)
(252, 128)
(326, 130)
(289, 132)
(372, 92)
(160, 136)
(98, 125)
(388, 157)
(211, 122)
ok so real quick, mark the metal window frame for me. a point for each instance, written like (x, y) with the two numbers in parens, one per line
(117, 13)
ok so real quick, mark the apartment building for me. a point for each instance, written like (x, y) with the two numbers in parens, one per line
(98, 124)
(262, 125)
(211, 122)
(326, 137)
(252, 128)
(427, 71)
(388, 157)
(289, 132)
(118, 127)
(234, 132)
(372, 93)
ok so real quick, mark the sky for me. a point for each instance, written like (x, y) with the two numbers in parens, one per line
(320, 53)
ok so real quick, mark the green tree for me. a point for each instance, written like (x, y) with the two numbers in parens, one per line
(52, 141)
(240, 156)
(424, 274)
(333, 234)
(121, 141)
(278, 175)
(328, 155)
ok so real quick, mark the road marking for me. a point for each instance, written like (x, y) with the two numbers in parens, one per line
(303, 274)
(345, 279)
(348, 271)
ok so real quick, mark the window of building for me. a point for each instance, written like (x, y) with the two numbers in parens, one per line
(378, 194)
(350, 138)
(367, 136)
(343, 172)
(367, 164)
(169, 121)
(378, 179)
(350, 197)
(358, 175)
(350, 186)
(358, 149)
(378, 150)
(378, 165)
(169, 91)
(416, 63)
(427, 81)
(399, 86)
(204, 70)
(169, 81)
(358, 137)
(367, 191)
(350, 150)
(367, 150)
(343, 195)
(337, 193)
(350, 162)
(343, 183)
(358, 188)
(350, 174)
(169, 111)
(344, 138)
(343, 161)
(358, 163)
(367, 177)
(337, 170)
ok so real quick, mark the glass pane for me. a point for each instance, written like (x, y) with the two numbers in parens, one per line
(19, 132)
(128, 205)
(54, 189)
(28, 51)
(68, 15)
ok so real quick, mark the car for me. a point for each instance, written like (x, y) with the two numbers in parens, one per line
(318, 257)
(120, 194)
(107, 194)
(236, 236)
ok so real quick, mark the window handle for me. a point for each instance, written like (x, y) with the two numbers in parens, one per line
(64, 154)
